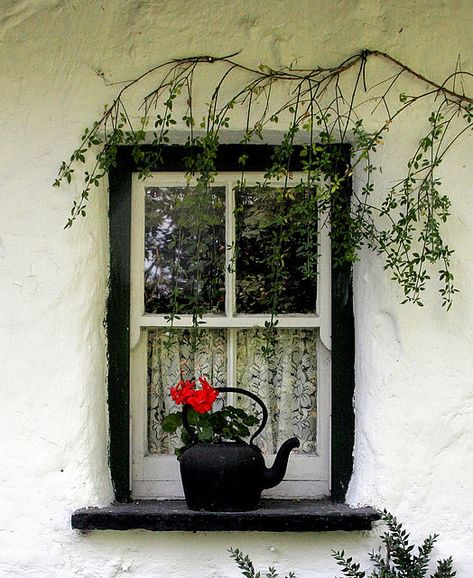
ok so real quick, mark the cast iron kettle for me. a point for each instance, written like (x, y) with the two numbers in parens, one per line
(230, 476)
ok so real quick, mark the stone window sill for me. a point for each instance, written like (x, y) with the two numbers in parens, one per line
(272, 516)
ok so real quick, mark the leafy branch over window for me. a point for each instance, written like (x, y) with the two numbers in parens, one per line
(319, 108)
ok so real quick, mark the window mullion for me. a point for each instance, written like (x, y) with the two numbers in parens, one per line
(230, 299)
(230, 284)
(231, 361)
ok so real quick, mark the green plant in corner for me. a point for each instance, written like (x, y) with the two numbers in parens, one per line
(400, 558)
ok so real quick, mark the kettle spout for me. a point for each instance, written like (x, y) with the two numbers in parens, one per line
(274, 475)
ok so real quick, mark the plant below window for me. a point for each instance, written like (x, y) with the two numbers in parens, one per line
(398, 561)
(226, 424)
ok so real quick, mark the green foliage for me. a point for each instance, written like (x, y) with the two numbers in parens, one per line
(400, 560)
(247, 568)
(407, 226)
(226, 424)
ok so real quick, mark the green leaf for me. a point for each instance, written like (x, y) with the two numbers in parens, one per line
(172, 422)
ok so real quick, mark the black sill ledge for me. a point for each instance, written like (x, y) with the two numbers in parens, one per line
(272, 516)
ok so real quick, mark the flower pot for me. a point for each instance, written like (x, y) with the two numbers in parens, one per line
(223, 476)
(229, 476)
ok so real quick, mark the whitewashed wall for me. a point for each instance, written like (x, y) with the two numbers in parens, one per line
(414, 369)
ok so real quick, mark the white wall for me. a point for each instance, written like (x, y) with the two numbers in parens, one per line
(414, 369)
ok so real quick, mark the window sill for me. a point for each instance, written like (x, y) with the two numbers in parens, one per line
(272, 516)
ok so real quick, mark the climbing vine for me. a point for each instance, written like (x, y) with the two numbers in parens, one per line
(318, 109)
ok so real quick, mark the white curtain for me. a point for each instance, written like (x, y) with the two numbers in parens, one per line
(168, 359)
(287, 382)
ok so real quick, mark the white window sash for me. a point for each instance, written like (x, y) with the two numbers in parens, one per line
(157, 476)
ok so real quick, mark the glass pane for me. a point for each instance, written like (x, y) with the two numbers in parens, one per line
(169, 357)
(184, 268)
(263, 216)
(286, 383)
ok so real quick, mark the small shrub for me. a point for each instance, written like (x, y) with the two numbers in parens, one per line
(401, 559)
(248, 570)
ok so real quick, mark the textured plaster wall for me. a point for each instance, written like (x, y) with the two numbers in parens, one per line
(414, 368)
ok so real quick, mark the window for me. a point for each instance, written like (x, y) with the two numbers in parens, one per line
(230, 339)
(236, 232)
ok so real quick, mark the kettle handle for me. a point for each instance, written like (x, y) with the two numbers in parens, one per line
(253, 396)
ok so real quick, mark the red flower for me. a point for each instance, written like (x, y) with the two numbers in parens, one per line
(201, 400)
(183, 391)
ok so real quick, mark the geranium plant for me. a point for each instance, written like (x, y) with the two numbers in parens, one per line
(210, 425)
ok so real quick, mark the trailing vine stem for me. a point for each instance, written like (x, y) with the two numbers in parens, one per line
(405, 227)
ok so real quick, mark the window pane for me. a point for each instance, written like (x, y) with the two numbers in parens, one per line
(263, 216)
(287, 384)
(184, 268)
(169, 357)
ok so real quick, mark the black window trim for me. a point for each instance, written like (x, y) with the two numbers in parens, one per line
(118, 323)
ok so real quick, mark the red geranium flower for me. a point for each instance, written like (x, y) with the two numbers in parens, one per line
(183, 391)
(201, 400)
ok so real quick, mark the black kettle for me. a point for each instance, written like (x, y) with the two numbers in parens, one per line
(230, 476)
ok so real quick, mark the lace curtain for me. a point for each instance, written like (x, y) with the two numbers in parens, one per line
(287, 383)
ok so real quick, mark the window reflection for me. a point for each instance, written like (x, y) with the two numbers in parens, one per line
(184, 266)
(276, 225)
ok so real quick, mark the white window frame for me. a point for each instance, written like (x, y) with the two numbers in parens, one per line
(157, 476)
